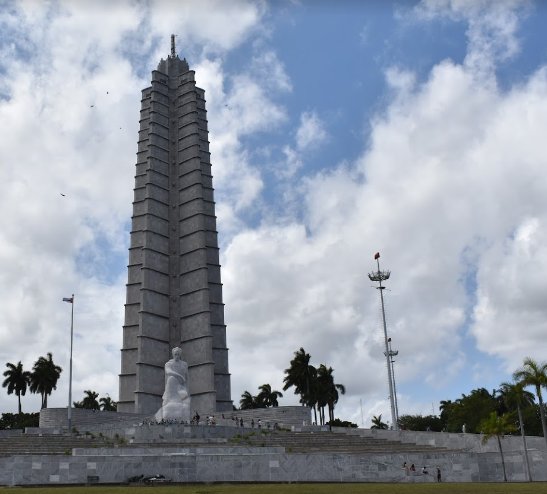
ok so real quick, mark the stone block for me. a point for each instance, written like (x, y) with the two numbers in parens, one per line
(193, 260)
(154, 303)
(130, 336)
(197, 351)
(191, 163)
(194, 302)
(158, 261)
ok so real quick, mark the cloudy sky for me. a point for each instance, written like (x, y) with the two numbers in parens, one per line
(337, 129)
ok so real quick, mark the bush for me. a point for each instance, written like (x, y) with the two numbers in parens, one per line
(19, 420)
(341, 423)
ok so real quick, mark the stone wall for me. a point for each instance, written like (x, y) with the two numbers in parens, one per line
(228, 464)
(286, 416)
(449, 440)
(56, 418)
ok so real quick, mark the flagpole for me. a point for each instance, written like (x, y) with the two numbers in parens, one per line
(71, 300)
(70, 367)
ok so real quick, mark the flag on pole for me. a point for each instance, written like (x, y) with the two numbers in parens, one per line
(69, 300)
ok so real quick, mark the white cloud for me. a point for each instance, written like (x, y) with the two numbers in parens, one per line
(270, 70)
(310, 135)
(238, 105)
(69, 103)
(492, 28)
(510, 310)
(311, 132)
(215, 25)
(451, 183)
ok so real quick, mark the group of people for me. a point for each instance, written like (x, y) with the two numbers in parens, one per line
(412, 468)
(163, 422)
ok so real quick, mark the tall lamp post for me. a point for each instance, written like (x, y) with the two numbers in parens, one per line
(71, 302)
(379, 276)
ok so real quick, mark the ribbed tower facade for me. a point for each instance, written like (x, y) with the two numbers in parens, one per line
(174, 290)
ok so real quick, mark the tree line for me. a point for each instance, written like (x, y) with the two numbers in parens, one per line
(467, 412)
(43, 380)
(314, 385)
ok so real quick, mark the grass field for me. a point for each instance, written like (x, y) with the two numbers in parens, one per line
(445, 488)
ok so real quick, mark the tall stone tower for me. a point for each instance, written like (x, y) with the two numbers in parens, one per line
(174, 292)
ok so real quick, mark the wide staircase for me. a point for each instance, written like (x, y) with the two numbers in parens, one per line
(54, 444)
(321, 442)
(300, 442)
(292, 442)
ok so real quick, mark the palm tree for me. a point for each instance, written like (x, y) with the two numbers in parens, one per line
(497, 426)
(107, 404)
(44, 377)
(377, 422)
(322, 391)
(247, 401)
(534, 374)
(16, 380)
(267, 396)
(327, 390)
(513, 395)
(90, 401)
(302, 375)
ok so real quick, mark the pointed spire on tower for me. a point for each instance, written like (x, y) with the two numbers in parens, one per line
(173, 53)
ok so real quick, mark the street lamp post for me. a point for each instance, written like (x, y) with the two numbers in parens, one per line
(71, 302)
(380, 276)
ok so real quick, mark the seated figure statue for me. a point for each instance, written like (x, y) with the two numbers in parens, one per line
(176, 400)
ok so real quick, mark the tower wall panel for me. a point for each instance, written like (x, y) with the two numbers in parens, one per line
(130, 336)
(132, 314)
(154, 302)
(156, 165)
(157, 119)
(157, 178)
(195, 326)
(189, 165)
(219, 336)
(134, 274)
(154, 352)
(193, 260)
(199, 353)
(157, 225)
(193, 302)
(198, 222)
(156, 193)
(154, 326)
(193, 280)
(150, 206)
(129, 360)
(156, 260)
(159, 282)
(133, 293)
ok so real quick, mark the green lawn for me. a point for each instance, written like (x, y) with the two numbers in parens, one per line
(468, 488)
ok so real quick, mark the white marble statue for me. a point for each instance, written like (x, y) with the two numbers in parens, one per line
(176, 400)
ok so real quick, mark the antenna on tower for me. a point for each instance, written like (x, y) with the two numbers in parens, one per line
(173, 53)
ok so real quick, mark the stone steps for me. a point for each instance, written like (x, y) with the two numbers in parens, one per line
(46, 445)
(291, 442)
(327, 441)
(299, 442)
